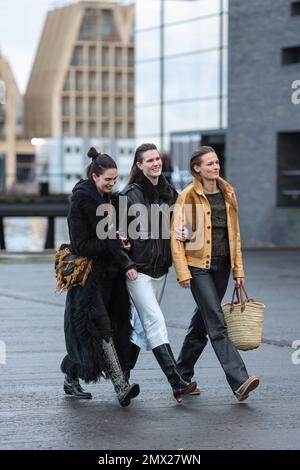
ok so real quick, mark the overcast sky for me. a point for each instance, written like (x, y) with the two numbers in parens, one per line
(21, 23)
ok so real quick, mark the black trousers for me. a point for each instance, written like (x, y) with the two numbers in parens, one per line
(208, 288)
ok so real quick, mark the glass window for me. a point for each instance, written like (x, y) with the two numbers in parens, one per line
(192, 76)
(79, 129)
(192, 36)
(130, 83)
(147, 45)
(182, 10)
(105, 57)
(65, 128)
(65, 106)
(105, 129)
(131, 130)
(118, 57)
(79, 106)
(105, 81)
(118, 107)
(118, 83)
(147, 13)
(196, 115)
(288, 177)
(92, 56)
(130, 57)
(79, 81)
(92, 106)
(88, 29)
(108, 29)
(92, 81)
(147, 120)
(92, 129)
(77, 58)
(105, 107)
(131, 107)
(148, 83)
(225, 29)
(118, 130)
(225, 72)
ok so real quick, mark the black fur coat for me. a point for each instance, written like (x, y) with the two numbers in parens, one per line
(101, 308)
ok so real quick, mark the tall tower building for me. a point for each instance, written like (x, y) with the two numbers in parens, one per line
(16, 154)
(82, 80)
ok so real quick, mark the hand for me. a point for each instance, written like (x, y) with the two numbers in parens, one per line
(185, 284)
(125, 244)
(181, 234)
(239, 282)
(132, 274)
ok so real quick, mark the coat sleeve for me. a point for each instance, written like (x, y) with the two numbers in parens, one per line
(177, 247)
(82, 242)
(238, 269)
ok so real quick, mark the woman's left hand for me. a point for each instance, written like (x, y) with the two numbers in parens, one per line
(239, 282)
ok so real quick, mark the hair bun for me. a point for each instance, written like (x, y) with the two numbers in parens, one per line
(92, 153)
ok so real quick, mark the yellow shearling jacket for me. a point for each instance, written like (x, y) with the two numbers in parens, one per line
(193, 211)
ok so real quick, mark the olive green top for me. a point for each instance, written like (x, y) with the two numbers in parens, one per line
(220, 243)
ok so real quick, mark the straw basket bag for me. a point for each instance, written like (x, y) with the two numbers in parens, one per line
(244, 319)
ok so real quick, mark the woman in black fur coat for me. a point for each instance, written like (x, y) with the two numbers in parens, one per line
(97, 316)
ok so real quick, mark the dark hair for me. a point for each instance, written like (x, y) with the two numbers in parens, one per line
(100, 163)
(138, 158)
(196, 158)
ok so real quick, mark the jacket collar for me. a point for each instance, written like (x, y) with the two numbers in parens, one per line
(153, 193)
(222, 184)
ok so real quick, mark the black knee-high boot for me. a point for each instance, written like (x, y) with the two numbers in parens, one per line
(132, 358)
(165, 358)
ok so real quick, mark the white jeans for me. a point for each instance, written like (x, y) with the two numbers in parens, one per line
(148, 321)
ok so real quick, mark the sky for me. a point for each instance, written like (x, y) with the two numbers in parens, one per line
(21, 25)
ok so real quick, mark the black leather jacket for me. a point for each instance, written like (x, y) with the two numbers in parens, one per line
(150, 251)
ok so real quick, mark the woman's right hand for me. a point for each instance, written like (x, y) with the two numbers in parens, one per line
(185, 284)
(132, 274)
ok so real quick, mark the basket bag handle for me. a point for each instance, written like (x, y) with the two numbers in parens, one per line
(242, 297)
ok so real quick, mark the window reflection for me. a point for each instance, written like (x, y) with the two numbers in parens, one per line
(147, 82)
(203, 114)
(147, 13)
(147, 120)
(192, 36)
(147, 45)
(192, 76)
(182, 10)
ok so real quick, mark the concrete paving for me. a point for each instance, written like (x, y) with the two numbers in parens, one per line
(35, 414)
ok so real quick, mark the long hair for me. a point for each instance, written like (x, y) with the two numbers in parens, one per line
(138, 158)
(100, 163)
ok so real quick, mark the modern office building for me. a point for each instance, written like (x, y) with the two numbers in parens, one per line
(181, 75)
(81, 91)
(227, 74)
(16, 153)
(82, 80)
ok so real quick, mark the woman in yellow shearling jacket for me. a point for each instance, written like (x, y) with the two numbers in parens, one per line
(208, 210)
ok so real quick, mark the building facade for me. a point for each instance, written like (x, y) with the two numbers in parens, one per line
(181, 75)
(82, 80)
(16, 152)
(227, 74)
(263, 137)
